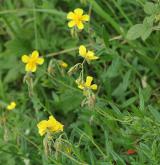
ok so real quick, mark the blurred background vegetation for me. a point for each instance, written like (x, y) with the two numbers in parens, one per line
(127, 112)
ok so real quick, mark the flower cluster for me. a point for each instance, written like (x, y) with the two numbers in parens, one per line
(50, 127)
(76, 21)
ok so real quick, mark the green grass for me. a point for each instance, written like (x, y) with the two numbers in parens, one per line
(126, 113)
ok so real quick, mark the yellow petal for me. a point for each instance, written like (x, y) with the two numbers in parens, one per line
(71, 24)
(94, 87)
(81, 86)
(42, 132)
(34, 68)
(30, 67)
(60, 126)
(54, 125)
(89, 80)
(90, 55)
(85, 17)
(82, 50)
(35, 54)
(80, 25)
(78, 11)
(40, 61)
(94, 58)
(78, 81)
(42, 124)
(42, 127)
(25, 58)
(11, 106)
(70, 15)
(52, 119)
(63, 64)
(57, 127)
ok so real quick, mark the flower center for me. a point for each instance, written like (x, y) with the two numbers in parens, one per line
(78, 19)
(32, 61)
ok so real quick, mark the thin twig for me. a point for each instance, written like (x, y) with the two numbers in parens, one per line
(76, 48)
(64, 51)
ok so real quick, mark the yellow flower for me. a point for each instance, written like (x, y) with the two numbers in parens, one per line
(77, 18)
(68, 149)
(88, 55)
(32, 61)
(11, 106)
(63, 64)
(87, 85)
(51, 125)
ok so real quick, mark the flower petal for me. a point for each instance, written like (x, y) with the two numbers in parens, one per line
(35, 54)
(70, 15)
(54, 125)
(85, 17)
(94, 87)
(42, 126)
(25, 58)
(63, 64)
(40, 61)
(89, 80)
(11, 106)
(60, 126)
(90, 55)
(71, 24)
(34, 68)
(31, 67)
(81, 86)
(80, 25)
(82, 50)
(94, 58)
(27, 68)
(78, 11)
(52, 119)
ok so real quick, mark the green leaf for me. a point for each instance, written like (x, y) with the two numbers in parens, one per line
(12, 75)
(115, 108)
(155, 113)
(135, 32)
(141, 100)
(104, 14)
(113, 69)
(66, 103)
(105, 37)
(146, 33)
(129, 102)
(148, 21)
(149, 8)
(147, 29)
(120, 90)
